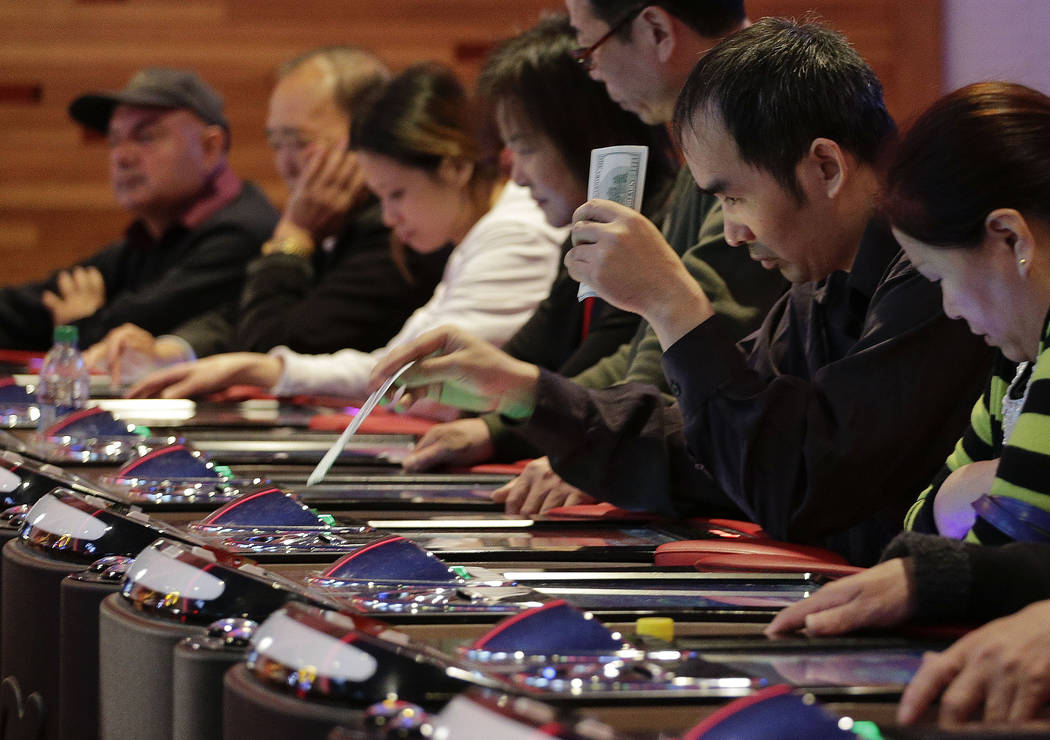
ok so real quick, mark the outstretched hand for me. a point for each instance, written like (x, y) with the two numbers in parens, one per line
(212, 374)
(539, 489)
(129, 352)
(882, 596)
(1003, 667)
(461, 370)
(459, 442)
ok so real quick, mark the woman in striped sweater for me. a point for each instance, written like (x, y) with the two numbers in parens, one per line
(968, 195)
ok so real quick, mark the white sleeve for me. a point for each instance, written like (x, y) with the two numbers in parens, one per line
(494, 279)
(344, 373)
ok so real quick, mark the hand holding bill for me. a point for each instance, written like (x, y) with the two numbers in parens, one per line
(626, 260)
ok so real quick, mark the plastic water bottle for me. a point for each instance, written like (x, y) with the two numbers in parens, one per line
(64, 378)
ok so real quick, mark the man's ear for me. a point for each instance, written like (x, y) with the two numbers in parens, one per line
(214, 144)
(824, 169)
(658, 30)
(1006, 228)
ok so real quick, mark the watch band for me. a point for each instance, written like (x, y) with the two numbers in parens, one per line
(289, 245)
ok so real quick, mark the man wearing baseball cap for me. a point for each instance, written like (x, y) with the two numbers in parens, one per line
(196, 223)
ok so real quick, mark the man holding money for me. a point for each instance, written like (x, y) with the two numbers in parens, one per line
(643, 55)
(824, 424)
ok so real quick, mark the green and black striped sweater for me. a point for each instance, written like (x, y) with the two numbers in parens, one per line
(1024, 463)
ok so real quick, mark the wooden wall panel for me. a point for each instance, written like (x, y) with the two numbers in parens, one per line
(55, 203)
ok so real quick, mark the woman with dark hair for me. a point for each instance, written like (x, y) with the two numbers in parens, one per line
(550, 115)
(968, 195)
(420, 152)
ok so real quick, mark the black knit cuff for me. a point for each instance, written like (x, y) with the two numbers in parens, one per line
(942, 573)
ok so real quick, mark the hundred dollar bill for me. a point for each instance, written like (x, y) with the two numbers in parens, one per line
(617, 174)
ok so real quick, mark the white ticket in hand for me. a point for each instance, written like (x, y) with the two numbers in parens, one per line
(366, 408)
(617, 174)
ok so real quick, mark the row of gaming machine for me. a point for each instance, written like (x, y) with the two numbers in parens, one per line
(167, 573)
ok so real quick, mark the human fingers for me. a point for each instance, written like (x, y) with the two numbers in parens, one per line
(573, 497)
(50, 300)
(435, 340)
(93, 281)
(197, 381)
(1033, 690)
(598, 210)
(525, 485)
(96, 356)
(935, 673)
(460, 442)
(537, 494)
(511, 495)
(120, 341)
(797, 616)
(966, 692)
(65, 284)
(80, 279)
(557, 496)
(347, 169)
(334, 166)
(1001, 691)
(313, 162)
(430, 452)
(153, 385)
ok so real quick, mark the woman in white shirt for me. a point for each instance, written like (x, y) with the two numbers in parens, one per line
(419, 154)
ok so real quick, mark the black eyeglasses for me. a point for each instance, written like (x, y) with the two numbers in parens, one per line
(584, 55)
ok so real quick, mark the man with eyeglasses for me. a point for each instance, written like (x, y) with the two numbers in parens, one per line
(196, 223)
(823, 425)
(328, 277)
(643, 53)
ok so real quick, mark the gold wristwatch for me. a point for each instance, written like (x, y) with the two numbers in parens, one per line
(289, 245)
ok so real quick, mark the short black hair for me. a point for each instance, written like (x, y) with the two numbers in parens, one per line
(778, 85)
(712, 18)
(536, 75)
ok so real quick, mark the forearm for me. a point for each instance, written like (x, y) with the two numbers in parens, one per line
(621, 444)
(961, 581)
(344, 373)
(679, 307)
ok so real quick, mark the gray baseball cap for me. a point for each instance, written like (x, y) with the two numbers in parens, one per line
(160, 87)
